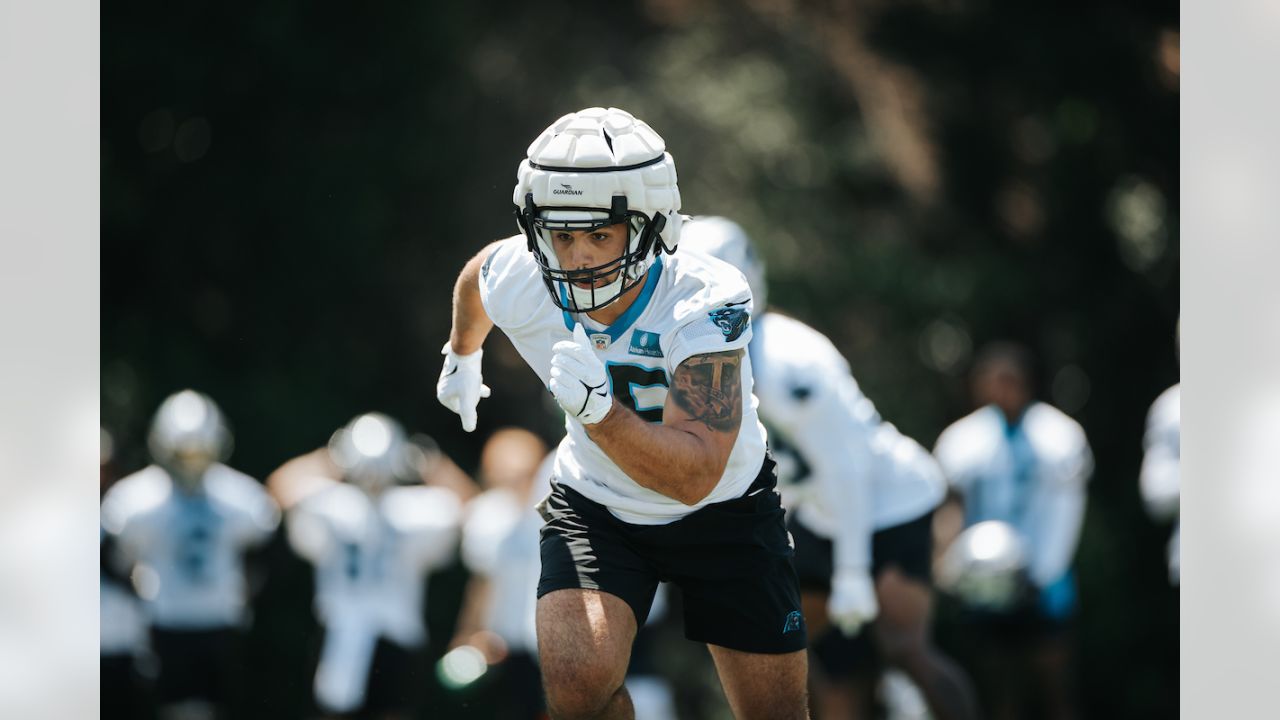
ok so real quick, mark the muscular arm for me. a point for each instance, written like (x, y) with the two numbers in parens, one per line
(301, 477)
(471, 324)
(441, 471)
(684, 456)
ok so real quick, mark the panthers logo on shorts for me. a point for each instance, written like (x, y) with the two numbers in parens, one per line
(793, 622)
(732, 321)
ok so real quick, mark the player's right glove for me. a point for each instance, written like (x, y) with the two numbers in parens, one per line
(853, 600)
(460, 386)
(578, 379)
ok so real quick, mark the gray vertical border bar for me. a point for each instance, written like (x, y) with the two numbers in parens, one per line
(1230, 225)
(49, 344)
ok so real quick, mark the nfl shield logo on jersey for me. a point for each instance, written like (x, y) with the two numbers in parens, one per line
(600, 341)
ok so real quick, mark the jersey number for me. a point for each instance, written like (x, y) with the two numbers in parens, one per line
(195, 547)
(627, 380)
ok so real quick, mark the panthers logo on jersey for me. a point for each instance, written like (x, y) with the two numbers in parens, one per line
(732, 321)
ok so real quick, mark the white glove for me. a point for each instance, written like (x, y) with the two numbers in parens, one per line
(460, 387)
(578, 379)
(853, 600)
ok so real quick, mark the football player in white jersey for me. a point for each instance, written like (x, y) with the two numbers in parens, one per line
(373, 538)
(1025, 463)
(663, 473)
(860, 498)
(1160, 467)
(182, 526)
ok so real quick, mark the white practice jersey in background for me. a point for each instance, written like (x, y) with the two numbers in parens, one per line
(843, 471)
(372, 555)
(691, 304)
(500, 541)
(186, 548)
(1031, 475)
(1160, 466)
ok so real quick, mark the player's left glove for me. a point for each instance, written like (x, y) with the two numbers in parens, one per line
(460, 386)
(578, 379)
(853, 600)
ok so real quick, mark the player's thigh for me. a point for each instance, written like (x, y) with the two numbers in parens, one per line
(902, 558)
(906, 608)
(813, 603)
(584, 642)
(763, 686)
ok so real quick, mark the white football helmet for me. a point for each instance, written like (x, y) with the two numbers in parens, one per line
(725, 239)
(188, 434)
(372, 452)
(985, 566)
(590, 169)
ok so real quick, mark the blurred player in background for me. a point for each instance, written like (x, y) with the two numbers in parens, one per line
(860, 497)
(500, 548)
(1159, 479)
(373, 533)
(123, 635)
(1024, 463)
(663, 473)
(181, 528)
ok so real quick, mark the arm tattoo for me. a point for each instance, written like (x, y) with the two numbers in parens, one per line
(709, 388)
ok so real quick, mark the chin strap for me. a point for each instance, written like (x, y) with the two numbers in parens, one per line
(657, 224)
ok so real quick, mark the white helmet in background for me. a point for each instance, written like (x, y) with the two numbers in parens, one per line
(725, 239)
(188, 434)
(591, 169)
(372, 452)
(985, 567)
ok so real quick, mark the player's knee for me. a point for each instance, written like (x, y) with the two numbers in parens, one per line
(578, 692)
(567, 704)
(792, 707)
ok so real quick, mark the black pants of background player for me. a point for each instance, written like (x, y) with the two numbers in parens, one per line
(1022, 663)
(397, 675)
(197, 666)
(519, 688)
(123, 693)
(857, 662)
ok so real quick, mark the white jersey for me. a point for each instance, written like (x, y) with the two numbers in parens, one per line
(186, 548)
(691, 304)
(1160, 466)
(372, 555)
(501, 541)
(1031, 475)
(843, 471)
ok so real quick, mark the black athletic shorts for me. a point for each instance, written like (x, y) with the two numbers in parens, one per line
(732, 560)
(907, 547)
(195, 664)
